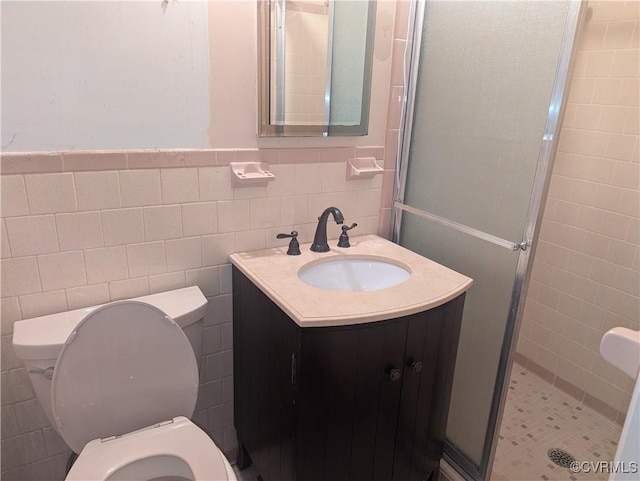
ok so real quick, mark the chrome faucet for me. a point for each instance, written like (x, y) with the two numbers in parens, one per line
(320, 239)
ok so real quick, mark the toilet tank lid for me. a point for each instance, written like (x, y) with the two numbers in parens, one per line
(43, 337)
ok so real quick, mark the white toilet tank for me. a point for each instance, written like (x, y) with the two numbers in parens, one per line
(38, 341)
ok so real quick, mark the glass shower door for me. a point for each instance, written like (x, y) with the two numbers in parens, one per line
(479, 138)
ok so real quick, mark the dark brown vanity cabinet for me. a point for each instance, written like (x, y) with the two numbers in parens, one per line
(359, 402)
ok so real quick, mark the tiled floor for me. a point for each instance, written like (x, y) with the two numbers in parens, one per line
(539, 417)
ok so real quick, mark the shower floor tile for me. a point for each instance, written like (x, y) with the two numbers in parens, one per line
(539, 417)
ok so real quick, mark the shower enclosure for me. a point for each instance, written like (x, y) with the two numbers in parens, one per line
(486, 86)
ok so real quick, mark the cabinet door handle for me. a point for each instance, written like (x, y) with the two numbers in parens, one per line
(394, 373)
(416, 366)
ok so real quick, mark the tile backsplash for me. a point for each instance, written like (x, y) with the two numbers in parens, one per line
(80, 229)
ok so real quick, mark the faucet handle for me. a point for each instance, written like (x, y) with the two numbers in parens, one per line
(293, 235)
(343, 241)
(294, 246)
(346, 228)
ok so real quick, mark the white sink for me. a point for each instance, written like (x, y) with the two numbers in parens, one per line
(353, 274)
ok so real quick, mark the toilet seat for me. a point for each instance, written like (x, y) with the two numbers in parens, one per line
(126, 366)
(101, 460)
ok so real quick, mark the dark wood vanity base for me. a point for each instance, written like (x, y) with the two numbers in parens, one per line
(360, 402)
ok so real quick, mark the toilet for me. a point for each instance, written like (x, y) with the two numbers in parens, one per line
(119, 383)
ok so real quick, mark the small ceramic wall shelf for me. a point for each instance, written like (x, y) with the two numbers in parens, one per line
(250, 174)
(362, 168)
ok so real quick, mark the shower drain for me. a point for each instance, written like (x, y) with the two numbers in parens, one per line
(561, 457)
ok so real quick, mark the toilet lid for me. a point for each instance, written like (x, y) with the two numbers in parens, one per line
(126, 366)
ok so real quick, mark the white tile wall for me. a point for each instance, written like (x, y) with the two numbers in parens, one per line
(129, 288)
(207, 278)
(106, 264)
(20, 276)
(234, 215)
(216, 248)
(14, 196)
(76, 239)
(81, 230)
(294, 210)
(32, 235)
(50, 193)
(140, 187)
(65, 269)
(5, 250)
(265, 212)
(214, 183)
(147, 258)
(34, 305)
(308, 178)
(586, 278)
(184, 254)
(199, 218)
(122, 226)
(166, 282)
(97, 190)
(89, 295)
(179, 185)
(163, 222)
(10, 312)
(284, 183)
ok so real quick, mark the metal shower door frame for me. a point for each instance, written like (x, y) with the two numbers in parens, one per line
(526, 247)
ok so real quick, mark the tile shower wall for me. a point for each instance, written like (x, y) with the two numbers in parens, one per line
(585, 278)
(81, 229)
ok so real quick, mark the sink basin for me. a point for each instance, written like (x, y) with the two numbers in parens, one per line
(353, 274)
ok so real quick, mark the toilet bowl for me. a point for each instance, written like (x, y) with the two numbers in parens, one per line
(121, 387)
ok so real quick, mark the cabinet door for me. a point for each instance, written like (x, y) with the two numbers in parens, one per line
(347, 402)
(417, 392)
(432, 339)
(264, 341)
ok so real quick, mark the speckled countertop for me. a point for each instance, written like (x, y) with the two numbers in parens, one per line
(276, 274)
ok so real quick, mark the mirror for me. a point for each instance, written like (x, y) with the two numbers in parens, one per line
(315, 60)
